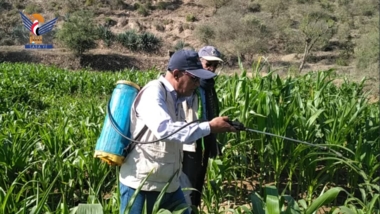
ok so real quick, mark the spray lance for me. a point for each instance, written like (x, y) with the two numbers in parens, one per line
(240, 127)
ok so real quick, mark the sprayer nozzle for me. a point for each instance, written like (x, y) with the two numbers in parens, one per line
(237, 125)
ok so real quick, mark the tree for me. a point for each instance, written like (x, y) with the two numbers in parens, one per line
(276, 7)
(316, 27)
(78, 33)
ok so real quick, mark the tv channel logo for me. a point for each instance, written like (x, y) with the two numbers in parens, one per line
(35, 23)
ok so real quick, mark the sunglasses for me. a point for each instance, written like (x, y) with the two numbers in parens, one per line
(193, 78)
(212, 64)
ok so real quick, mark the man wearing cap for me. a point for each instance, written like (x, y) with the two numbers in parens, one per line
(202, 105)
(157, 112)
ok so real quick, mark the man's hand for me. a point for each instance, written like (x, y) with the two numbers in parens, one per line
(220, 125)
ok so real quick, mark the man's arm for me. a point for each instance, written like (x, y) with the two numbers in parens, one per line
(153, 111)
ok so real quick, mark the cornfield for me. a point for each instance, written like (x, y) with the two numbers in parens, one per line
(50, 120)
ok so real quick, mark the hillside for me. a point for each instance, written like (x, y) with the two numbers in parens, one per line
(340, 34)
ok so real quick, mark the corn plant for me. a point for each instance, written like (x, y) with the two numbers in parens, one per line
(50, 119)
(273, 202)
(309, 108)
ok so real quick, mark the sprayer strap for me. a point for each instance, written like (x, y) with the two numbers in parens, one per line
(141, 133)
(132, 145)
(143, 130)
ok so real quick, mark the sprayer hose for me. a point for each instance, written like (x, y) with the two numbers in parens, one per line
(114, 125)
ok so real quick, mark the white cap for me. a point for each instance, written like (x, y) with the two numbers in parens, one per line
(210, 53)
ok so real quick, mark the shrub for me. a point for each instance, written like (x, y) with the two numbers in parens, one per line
(149, 6)
(139, 42)
(238, 33)
(105, 34)
(161, 5)
(136, 5)
(129, 39)
(275, 7)
(109, 21)
(254, 7)
(205, 33)
(116, 4)
(33, 8)
(190, 18)
(342, 61)
(78, 33)
(89, 2)
(4, 5)
(366, 7)
(20, 35)
(159, 27)
(149, 42)
(56, 14)
(142, 10)
(367, 50)
(182, 45)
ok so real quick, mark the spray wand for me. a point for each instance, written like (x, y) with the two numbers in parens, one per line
(240, 127)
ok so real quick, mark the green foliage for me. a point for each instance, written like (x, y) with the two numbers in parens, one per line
(342, 61)
(276, 7)
(254, 7)
(149, 42)
(50, 162)
(205, 33)
(317, 27)
(136, 5)
(190, 18)
(366, 7)
(105, 34)
(57, 14)
(180, 45)
(109, 21)
(90, 208)
(33, 8)
(89, 2)
(142, 10)
(20, 35)
(367, 49)
(4, 5)
(139, 42)
(159, 26)
(305, 1)
(116, 4)
(369, 202)
(162, 5)
(78, 32)
(237, 33)
(129, 39)
(51, 118)
(273, 202)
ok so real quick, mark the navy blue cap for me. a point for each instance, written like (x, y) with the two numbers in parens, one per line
(188, 60)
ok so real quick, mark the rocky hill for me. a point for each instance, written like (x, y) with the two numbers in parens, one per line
(274, 30)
